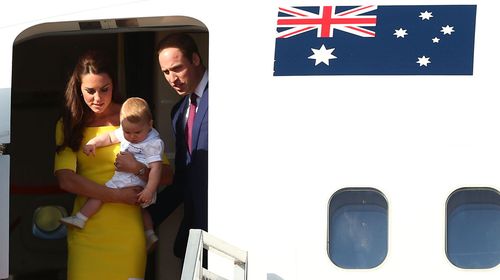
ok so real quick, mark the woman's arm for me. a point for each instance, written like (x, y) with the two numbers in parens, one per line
(126, 162)
(71, 182)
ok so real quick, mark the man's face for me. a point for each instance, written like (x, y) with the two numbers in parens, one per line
(179, 72)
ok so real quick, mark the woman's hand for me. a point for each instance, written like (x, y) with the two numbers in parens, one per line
(125, 162)
(127, 195)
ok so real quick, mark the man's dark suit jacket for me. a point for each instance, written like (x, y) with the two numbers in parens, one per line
(190, 183)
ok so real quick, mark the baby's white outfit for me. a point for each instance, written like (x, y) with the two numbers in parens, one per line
(147, 151)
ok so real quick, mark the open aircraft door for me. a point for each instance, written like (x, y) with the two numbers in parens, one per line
(34, 246)
(4, 181)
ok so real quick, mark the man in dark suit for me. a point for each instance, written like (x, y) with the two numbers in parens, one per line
(183, 69)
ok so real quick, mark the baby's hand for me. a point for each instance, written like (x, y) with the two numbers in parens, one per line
(145, 196)
(89, 149)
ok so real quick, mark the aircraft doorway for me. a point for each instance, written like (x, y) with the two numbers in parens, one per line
(43, 57)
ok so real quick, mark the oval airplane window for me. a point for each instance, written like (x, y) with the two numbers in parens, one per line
(473, 228)
(357, 228)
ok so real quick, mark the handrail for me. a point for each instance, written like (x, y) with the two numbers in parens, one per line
(199, 240)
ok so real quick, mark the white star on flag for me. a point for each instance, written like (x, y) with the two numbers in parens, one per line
(400, 33)
(447, 29)
(323, 55)
(423, 61)
(426, 15)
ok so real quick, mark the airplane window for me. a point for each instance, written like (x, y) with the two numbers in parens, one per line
(357, 228)
(473, 228)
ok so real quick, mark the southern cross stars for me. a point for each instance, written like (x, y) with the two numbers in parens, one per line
(447, 30)
(423, 61)
(400, 33)
(425, 15)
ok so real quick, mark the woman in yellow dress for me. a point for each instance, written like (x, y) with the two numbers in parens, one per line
(112, 245)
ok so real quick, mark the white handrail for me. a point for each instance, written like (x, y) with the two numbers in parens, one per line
(199, 240)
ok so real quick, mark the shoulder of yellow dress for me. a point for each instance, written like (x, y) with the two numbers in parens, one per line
(104, 127)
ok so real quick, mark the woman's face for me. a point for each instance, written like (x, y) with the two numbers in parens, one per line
(97, 90)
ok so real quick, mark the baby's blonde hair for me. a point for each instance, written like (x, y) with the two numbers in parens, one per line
(135, 110)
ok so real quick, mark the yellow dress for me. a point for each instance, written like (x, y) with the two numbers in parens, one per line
(112, 244)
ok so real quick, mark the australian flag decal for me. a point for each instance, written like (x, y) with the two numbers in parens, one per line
(375, 40)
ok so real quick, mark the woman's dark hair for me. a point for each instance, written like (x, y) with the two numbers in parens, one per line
(75, 113)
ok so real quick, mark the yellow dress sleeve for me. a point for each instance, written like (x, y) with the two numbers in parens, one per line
(65, 158)
(165, 159)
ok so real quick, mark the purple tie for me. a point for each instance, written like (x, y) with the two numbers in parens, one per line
(190, 121)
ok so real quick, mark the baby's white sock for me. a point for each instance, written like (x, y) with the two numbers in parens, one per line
(149, 232)
(79, 215)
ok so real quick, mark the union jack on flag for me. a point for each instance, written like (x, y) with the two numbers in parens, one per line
(375, 40)
(296, 20)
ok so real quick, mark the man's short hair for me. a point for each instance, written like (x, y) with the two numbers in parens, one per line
(181, 41)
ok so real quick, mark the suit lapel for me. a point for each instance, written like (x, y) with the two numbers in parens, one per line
(200, 116)
(178, 118)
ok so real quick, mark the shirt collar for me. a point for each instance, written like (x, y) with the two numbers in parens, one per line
(202, 85)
